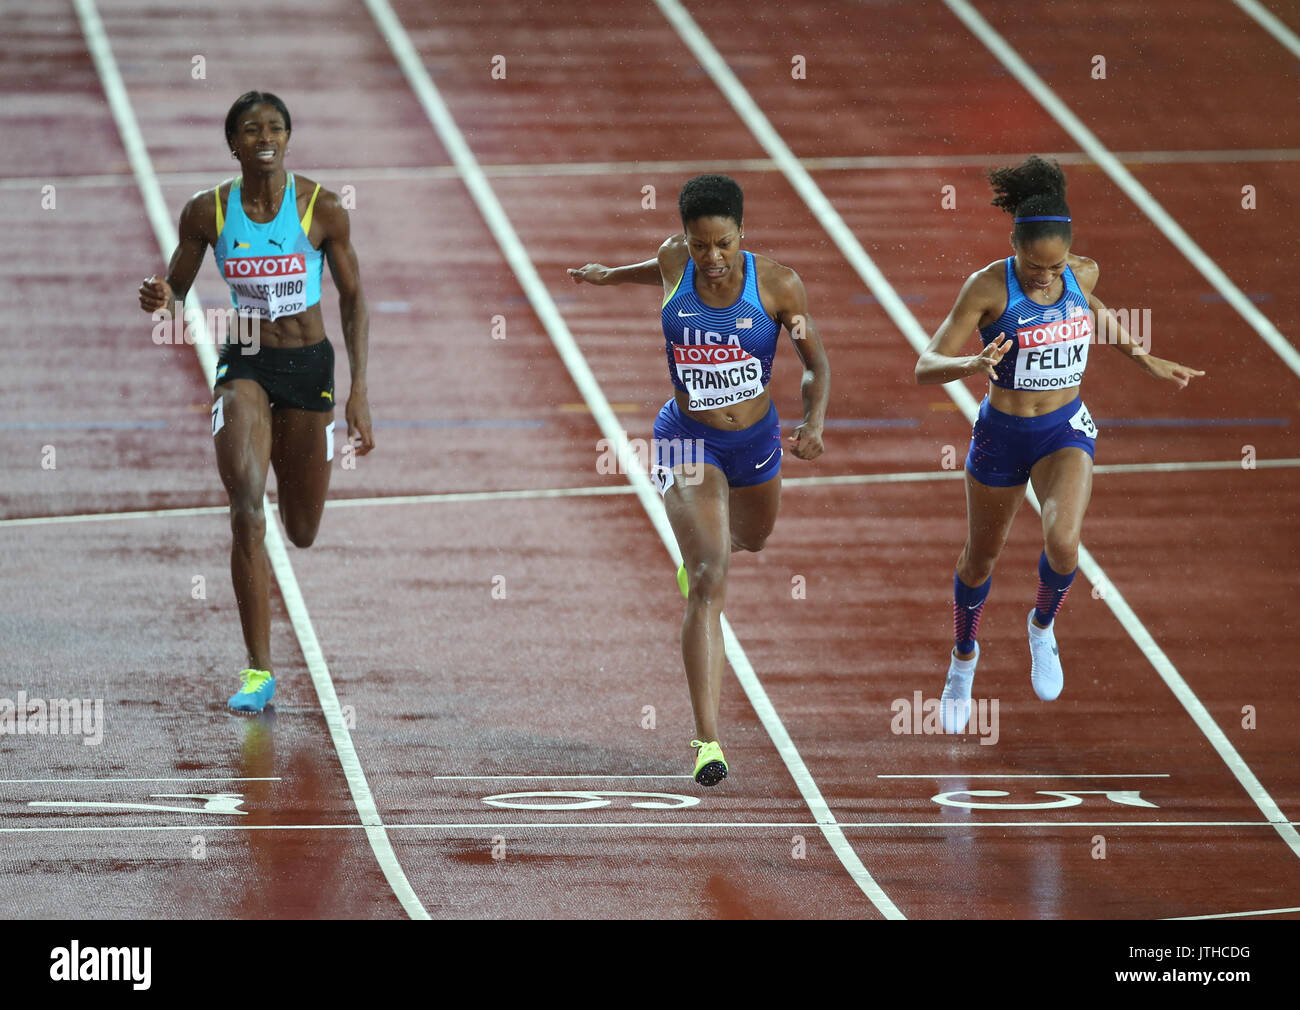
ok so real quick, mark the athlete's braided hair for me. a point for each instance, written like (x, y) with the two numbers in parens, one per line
(711, 196)
(1034, 188)
(246, 101)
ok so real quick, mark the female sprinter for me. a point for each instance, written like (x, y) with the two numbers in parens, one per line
(718, 440)
(268, 231)
(1037, 316)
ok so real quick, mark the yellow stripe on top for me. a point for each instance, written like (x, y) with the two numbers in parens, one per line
(672, 292)
(221, 216)
(311, 205)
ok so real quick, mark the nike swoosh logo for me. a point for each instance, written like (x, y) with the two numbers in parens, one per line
(759, 466)
(1021, 322)
(683, 315)
(975, 606)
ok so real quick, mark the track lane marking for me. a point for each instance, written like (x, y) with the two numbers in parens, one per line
(1029, 775)
(477, 826)
(540, 298)
(165, 233)
(455, 497)
(1272, 24)
(863, 163)
(216, 778)
(1232, 915)
(476, 778)
(829, 218)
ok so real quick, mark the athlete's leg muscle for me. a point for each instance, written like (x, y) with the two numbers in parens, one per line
(302, 470)
(243, 446)
(990, 511)
(753, 514)
(1063, 483)
(699, 517)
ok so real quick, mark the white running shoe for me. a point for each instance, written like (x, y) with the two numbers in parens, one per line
(1045, 671)
(954, 703)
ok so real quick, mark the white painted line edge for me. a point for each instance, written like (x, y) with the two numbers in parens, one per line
(215, 778)
(1272, 24)
(1231, 915)
(478, 826)
(527, 494)
(1030, 775)
(858, 163)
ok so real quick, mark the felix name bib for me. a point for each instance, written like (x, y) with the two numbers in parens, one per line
(1054, 354)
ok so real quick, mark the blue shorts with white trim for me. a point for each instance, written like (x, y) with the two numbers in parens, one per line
(1005, 447)
(746, 457)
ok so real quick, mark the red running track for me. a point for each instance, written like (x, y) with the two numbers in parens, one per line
(493, 646)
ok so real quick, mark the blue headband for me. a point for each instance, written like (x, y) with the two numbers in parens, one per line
(1021, 220)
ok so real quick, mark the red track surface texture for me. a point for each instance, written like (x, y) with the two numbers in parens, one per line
(495, 645)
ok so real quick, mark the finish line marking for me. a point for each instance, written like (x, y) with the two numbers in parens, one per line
(1028, 775)
(220, 778)
(479, 826)
(476, 778)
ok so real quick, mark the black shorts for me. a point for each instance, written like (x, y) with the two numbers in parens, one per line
(298, 377)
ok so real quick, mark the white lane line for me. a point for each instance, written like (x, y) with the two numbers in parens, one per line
(902, 162)
(848, 244)
(1272, 24)
(220, 778)
(83, 804)
(1124, 179)
(1101, 468)
(455, 497)
(90, 517)
(476, 778)
(1231, 915)
(1032, 775)
(481, 496)
(156, 208)
(540, 299)
(1175, 467)
(439, 498)
(478, 826)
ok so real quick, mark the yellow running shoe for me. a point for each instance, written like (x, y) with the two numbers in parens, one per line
(683, 583)
(257, 689)
(710, 765)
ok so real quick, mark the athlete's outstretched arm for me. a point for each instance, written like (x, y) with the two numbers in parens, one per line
(634, 273)
(158, 294)
(940, 362)
(1109, 331)
(353, 312)
(792, 311)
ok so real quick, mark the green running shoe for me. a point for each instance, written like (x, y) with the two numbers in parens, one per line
(683, 583)
(710, 765)
(258, 688)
